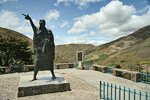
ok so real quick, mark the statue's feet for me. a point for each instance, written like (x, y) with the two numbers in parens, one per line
(53, 78)
(32, 80)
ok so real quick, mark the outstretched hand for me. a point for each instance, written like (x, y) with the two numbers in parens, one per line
(27, 17)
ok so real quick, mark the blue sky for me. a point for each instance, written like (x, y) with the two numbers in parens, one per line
(77, 21)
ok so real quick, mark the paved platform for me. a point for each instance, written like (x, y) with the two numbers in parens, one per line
(42, 85)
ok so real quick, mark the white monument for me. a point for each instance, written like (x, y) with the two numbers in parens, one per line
(80, 59)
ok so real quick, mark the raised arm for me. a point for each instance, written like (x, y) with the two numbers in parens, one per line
(27, 17)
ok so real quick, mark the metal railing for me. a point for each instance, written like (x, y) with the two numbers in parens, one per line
(111, 92)
(145, 77)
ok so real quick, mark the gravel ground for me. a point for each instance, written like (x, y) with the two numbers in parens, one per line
(80, 89)
(84, 85)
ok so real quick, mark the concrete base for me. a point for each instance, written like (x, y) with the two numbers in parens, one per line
(42, 85)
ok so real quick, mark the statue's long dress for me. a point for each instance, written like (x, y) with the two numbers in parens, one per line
(44, 50)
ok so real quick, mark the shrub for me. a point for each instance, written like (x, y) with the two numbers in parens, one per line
(117, 66)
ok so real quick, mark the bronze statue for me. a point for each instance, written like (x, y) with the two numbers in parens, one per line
(44, 47)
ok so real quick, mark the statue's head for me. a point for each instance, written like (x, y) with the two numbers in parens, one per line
(42, 22)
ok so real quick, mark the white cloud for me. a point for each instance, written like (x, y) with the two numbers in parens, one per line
(78, 40)
(84, 39)
(57, 37)
(81, 3)
(85, 35)
(30, 36)
(3, 1)
(8, 19)
(59, 40)
(65, 24)
(53, 26)
(96, 43)
(77, 28)
(92, 33)
(52, 14)
(144, 9)
(115, 19)
(23, 29)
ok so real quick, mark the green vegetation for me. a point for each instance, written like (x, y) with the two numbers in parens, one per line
(125, 51)
(104, 46)
(117, 66)
(126, 75)
(102, 58)
(14, 51)
(145, 62)
(10, 33)
(89, 56)
(67, 53)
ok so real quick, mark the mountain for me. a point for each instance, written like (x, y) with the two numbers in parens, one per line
(67, 53)
(7, 32)
(128, 51)
(63, 53)
(133, 49)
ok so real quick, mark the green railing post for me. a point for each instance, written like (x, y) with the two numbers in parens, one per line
(100, 90)
(115, 91)
(119, 92)
(124, 91)
(129, 94)
(111, 91)
(140, 95)
(146, 96)
(103, 89)
(107, 90)
(134, 94)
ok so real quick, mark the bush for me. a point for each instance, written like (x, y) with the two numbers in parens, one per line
(126, 75)
(117, 66)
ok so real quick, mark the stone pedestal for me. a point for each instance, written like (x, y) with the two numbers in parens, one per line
(80, 66)
(42, 85)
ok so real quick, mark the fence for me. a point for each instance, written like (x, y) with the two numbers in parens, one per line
(110, 93)
(145, 77)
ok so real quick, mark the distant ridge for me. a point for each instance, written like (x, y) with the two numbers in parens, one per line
(7, 32)
(131, 49)
(63, 53)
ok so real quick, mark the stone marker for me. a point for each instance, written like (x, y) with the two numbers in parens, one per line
(80, 59)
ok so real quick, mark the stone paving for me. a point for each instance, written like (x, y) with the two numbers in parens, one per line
(84, 85)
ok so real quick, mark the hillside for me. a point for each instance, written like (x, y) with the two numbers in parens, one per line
(63, 53)
(129, 50)
(67, 53)
(5, 32)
